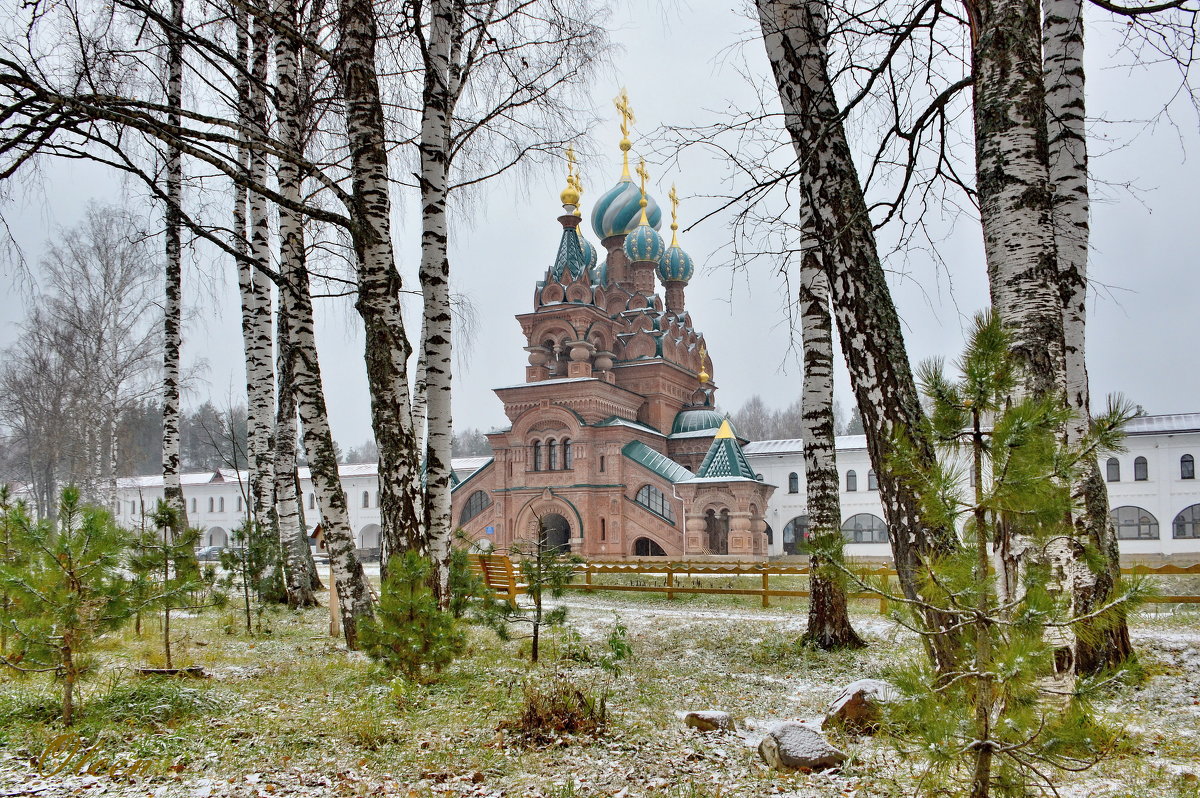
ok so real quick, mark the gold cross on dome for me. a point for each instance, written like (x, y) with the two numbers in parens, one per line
(570, 162)
(625, 110)
(674, 197)
(643, 174)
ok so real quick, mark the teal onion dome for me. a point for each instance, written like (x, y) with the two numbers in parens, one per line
(644, 245)
(600, 273)
(589, 252)
(619, 210)
(676, 265)
(572, 258)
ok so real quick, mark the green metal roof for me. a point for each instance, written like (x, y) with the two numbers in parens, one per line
(697, 419)
(617, 421)
(660, 464)
(725, 458)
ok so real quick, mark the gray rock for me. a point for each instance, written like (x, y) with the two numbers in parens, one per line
(858, 709)
(797, 746)
(708, 720)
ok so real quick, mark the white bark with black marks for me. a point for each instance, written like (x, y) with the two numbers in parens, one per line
(379, 284)
(1066, 107)
(437, 105)
(868, 325)
(173, 287)
(829, 624)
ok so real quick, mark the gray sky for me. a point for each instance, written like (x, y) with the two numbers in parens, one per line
(679, 69)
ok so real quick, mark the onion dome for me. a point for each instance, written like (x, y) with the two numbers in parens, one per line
(589, 252)
(617, 211)
(675, 265)
(644, 245)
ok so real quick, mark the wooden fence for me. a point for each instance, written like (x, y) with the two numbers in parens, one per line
(764, 571)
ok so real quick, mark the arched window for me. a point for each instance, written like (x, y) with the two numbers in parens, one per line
(537, 455)
(1187, 467)
(795, 535)
(1134, 523)
(567, 456)
(872, 480)
(793, 482)
(221, 504)
(312, 501)
(552, 455)
(1140, 471)
(239, 503)
(193, 504)
(1187, 523)
(477, 502)
(851, 482)
(645, 547)
(656, 502)
(211, 503)
(864, 528)
(1113, 467)
(366, 499)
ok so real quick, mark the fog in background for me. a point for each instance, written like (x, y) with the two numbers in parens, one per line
(682, 66)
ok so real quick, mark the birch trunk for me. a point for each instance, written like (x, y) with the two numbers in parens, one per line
(828, 619)
(256, 303)
(172, 293)
(868, 325)
(353, 594)
(1109, 646)
(1014, 188)
(378, 303)
(299, 569)
(437, 107)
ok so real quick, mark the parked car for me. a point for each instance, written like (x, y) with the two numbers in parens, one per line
(210, 553)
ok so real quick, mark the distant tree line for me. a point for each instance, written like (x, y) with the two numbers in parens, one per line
(756, 421)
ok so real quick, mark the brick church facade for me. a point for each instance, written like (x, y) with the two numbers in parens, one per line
(615, 446)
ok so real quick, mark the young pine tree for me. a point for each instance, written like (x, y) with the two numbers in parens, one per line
(66, 588)
(165, 576)
(410, 633)
(546, 569)
(997, 715)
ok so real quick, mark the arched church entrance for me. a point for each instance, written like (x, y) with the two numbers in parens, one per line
(217, 537)
(716, 525)
(645, 547)
(556, 532)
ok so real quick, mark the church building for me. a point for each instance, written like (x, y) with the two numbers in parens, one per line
(615, 448)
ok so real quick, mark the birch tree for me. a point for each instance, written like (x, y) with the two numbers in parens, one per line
(828, 619)
(173, 283)
(868, 325)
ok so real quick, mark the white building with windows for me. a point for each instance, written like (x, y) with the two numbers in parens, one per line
(1152, 489)
(216, 501)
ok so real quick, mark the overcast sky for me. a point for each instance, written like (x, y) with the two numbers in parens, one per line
(681, 67)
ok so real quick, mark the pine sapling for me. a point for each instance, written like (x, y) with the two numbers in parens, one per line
(66, 590)
(410, 633)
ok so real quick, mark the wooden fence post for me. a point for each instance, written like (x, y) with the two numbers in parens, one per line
(670, 582)
(765, 587)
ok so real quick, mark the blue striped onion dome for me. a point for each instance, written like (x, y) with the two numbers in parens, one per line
(589, 252)
(644, 245)
(618, 211)
(675, 264)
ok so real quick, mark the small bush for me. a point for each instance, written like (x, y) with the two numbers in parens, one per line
(550, 710)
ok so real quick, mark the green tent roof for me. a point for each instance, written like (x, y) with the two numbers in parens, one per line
(725, 458)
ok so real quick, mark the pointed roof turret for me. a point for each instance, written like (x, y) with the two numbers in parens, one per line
(725, 458)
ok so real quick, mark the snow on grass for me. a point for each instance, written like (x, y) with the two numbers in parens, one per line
(292, 713)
